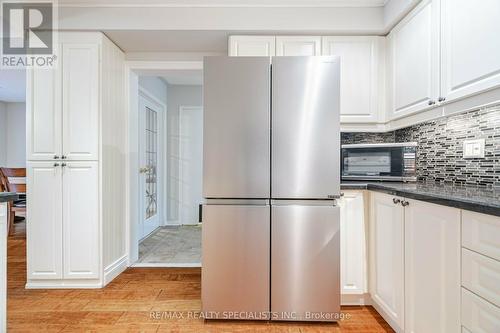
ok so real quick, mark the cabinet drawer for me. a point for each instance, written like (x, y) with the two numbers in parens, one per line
(478, 315)
(481, 233)
(481, 275)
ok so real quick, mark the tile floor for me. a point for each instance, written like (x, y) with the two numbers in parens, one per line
(172, 245)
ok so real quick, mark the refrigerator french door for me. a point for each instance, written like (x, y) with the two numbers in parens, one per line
(305, 233)
(236, 188)
(270, 238)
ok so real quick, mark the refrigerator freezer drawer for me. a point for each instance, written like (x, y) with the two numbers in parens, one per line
(236, 130)
(305, 262)
(305, 127)
(235, 261)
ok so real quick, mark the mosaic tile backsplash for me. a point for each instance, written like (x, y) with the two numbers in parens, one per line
(440, 147)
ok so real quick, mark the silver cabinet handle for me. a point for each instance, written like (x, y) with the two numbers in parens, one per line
(63, 157)
(396, 201)
(63, 165)
(431, 102)
(56, 157)
(56, 164)
(441, 99)
(404, 203)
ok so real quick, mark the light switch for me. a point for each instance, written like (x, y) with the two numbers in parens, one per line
(474, 148)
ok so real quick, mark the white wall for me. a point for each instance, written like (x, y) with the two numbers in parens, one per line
(13, 135)
(155, 86)
(178, 95)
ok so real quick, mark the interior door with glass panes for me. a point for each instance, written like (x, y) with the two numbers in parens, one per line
(150, 120)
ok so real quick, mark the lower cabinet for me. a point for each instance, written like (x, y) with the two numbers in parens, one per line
(432, 268)
(63, 228)
(387, 258)
(353, 248)
(415, 264)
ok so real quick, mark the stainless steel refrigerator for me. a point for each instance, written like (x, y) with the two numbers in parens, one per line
(271, 237)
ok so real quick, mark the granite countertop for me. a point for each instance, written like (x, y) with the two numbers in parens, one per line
(8, 196)
(479, 199)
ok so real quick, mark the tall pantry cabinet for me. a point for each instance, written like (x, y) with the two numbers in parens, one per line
(76, 161)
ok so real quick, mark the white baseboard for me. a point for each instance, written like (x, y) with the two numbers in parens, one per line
(115, 269)
(355, 299)
(64, 284)
(386, 317)
(166, 265)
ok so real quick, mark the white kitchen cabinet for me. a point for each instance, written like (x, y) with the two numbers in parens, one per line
(44, 230)
(470, 47)
(80, 101)
(75, 145)
(63, 106)
(353, 244)
(44, 118)
(252, 46)
(479, 315)
(362, 77)
(414, 53)
(387, 258)
(298, 45)
(81, 220)
(432, 268)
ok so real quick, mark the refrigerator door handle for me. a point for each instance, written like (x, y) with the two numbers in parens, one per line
(237, 202)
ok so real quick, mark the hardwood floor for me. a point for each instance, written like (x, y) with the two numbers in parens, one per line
(129, 303)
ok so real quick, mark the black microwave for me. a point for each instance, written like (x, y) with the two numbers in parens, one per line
(379, 161)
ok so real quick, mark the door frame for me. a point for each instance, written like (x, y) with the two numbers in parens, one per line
(181, 109)
(161, 161)
(132, 70)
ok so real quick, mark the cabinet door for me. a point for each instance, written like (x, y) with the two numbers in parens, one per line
(81, 220)
(353, 264)
(80, 65)
(359, 68)
(432, 268)
(415, 60)
(43, 108)
(252, 46)
(470, 47)
(298, 46)
(44, 212)
(387, 258)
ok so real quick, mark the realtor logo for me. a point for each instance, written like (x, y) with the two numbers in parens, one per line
(28, 34)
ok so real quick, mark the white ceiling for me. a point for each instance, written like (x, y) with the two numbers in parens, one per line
(222, 3)
(12, 85)
(176, 76)
(171, 41)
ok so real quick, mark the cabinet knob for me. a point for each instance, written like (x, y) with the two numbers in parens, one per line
(404, 203)
(56, 164)
(63, 164)
(63, 157)
(431, 102)
(441, 99)
(396, 201)
(56, 157)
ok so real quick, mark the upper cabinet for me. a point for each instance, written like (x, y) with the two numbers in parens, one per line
(414, 58)
(362, 87)
(63, 105)
(252, 46)
(361, 83)
(470, 47)
(298, 46)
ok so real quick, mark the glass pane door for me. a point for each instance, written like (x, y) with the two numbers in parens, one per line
(152, 160)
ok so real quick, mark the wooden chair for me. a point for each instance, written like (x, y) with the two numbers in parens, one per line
(18, 206)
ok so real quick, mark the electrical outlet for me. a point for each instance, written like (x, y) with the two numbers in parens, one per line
(474, 148)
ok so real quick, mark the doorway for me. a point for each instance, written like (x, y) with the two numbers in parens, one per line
(170, 195)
